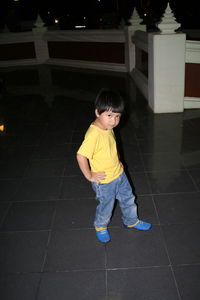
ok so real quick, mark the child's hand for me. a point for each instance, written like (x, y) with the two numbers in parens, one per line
(97, 176)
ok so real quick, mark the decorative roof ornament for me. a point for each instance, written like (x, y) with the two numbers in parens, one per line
(168, 23)
(39, 22)
(135, 21)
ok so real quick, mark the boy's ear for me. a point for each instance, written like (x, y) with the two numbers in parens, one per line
(96, 113)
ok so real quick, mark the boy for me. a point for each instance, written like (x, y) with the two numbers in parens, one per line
(99, 162)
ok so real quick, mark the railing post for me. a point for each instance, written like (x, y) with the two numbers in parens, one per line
(166, 73)
(41, 46)
(134, 21)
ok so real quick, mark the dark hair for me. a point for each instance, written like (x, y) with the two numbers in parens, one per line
(109, 100)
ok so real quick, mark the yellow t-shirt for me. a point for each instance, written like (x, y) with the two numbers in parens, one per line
(99, 146)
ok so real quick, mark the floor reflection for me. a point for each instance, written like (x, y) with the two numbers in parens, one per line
(47, 207)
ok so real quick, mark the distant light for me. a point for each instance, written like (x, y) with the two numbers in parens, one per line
(145, 14)
(56, 20)
(2, 128)
(49, 12)
(16, 0)
(80, 26)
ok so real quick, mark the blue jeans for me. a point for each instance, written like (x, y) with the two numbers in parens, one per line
(106, 194)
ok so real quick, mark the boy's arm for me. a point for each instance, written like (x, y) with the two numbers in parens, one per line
(85, 168)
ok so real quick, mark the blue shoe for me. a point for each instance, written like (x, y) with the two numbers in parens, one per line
(140, 225)
(102, 234)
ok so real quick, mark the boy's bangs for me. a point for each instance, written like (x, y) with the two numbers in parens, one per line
(118, 109)
(109, 100)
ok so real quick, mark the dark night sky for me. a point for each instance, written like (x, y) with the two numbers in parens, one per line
(185, 11)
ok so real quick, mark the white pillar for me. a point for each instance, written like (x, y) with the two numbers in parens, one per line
(129, 31)
(41, 46)
(166, 66)
(129, 48)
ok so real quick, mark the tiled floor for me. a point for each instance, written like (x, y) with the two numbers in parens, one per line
(48, 249)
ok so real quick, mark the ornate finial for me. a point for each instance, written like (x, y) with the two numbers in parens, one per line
(168, 23)
(39, 22)
(135, 21)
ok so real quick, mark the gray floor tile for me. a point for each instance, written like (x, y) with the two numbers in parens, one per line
(140, 182)
(191, 160)
(162, 161)
(19, 286)
(190, 143)
(8, 141)
(159, 145)
(134, 248)
(133, 162)
(42, 152)
(20, 152)
(29, 216)
(76, 213)
(57, 137)
(61, 151)
(22, 251)
(71, 166)
(183, 243)
(38, 189)
(171, 182)
(45, 168)
(75, 250)
(146, 209)
(128, 138)
(142, 283)
(187, 278)
(178, 208)
(79, 285)
(76, 187)
(78, 136)
(13, 168)
(196, 177)
(3, 210)
(28, 139)
(8, 188)
(129, 150)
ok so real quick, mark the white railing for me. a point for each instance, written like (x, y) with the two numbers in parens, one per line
(192, 56)
(41, 36)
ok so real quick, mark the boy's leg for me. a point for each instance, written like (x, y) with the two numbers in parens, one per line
(126, 200)
(128, 207)
(105, 194)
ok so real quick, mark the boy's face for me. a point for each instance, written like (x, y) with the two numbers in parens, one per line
(108, 119)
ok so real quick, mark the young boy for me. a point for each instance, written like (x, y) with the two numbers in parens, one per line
(99, 162)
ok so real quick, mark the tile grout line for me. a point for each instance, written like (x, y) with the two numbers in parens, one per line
(170, 263)
(145, 171)
(106, 272)
(193, 181)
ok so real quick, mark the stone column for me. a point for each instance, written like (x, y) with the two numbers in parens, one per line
(134, 21)
(166, 67)
(41, 45)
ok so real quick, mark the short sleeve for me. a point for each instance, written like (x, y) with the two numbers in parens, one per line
(88, 146)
